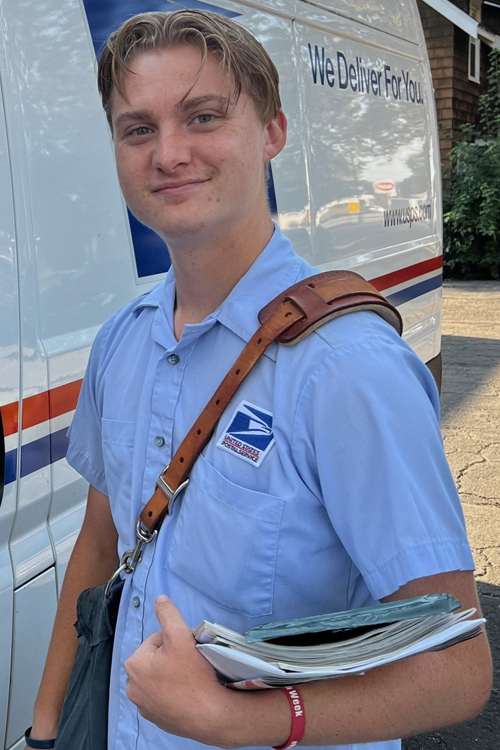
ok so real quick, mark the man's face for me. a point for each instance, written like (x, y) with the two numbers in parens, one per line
(189, 165)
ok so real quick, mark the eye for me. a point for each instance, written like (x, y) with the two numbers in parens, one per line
(141, 130)
(203, 119)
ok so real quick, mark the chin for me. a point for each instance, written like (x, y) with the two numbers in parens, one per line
(174, 230)
(170, 226)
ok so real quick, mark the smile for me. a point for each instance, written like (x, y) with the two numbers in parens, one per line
(171, 188)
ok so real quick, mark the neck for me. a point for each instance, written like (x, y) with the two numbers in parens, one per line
(206, 272)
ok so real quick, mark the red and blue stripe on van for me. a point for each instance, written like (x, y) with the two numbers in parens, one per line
(37, 410)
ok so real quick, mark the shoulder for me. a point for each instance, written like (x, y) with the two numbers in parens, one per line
(357, 353)
(360, 337)
(361, 345)
(355, 382)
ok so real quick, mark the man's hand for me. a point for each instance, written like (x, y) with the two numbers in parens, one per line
(173, 685)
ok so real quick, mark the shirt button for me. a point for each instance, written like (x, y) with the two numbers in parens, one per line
(136, 601)
(160, 441)
(172, 359)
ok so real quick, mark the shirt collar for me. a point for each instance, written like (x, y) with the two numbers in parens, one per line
(275, 269)
(153, 298)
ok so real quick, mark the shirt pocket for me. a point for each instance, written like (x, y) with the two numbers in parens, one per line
(117, 449)
(225, 542)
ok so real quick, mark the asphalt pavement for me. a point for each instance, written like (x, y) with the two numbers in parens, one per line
(470, 419)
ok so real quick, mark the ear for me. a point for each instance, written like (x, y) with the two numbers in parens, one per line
(275, 136)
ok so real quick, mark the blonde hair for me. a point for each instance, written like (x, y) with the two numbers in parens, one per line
(243, 59)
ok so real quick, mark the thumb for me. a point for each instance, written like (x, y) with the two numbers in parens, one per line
(169, 617)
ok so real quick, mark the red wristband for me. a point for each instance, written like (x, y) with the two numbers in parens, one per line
(298, 718)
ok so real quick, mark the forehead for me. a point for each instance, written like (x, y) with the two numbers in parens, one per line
(169, 75)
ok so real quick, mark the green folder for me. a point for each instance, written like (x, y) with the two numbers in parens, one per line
(363, 617)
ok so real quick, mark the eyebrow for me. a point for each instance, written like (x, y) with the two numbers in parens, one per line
(135, 114)
(196, 101)
(184, 104)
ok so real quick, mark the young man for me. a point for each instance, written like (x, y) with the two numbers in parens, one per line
(349, 502)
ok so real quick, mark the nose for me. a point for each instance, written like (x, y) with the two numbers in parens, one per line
(172, 149)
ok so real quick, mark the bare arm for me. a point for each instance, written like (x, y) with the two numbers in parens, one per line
(176, 688)
(93, 560)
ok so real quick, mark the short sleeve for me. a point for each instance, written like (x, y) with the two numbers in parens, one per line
(85, 441)
(372, 447)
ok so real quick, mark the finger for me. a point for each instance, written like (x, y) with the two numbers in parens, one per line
(169, 617)
(154, 641)
(147, 649)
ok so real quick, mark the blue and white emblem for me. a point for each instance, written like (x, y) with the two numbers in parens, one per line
(249, 434)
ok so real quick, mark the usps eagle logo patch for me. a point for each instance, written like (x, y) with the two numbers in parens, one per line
(249, 434)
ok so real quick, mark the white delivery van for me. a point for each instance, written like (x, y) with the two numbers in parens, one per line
(358, 187)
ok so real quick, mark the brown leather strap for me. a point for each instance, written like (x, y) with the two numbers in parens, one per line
(287, 319)
(327, 296)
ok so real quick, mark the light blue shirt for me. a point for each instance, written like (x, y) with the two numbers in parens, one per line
(325, 486)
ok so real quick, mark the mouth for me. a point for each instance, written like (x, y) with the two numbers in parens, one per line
(177, 187)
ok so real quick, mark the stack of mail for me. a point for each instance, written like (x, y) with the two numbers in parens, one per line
(343, 643)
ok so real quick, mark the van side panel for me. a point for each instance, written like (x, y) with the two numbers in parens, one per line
(372, 163)
(398, 18)
(9, 410)
(28, 658)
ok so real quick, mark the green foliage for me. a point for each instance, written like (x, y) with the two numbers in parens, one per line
(472, 205)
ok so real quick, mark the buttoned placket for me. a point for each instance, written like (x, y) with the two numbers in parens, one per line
(165, 394)
(166, 390)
